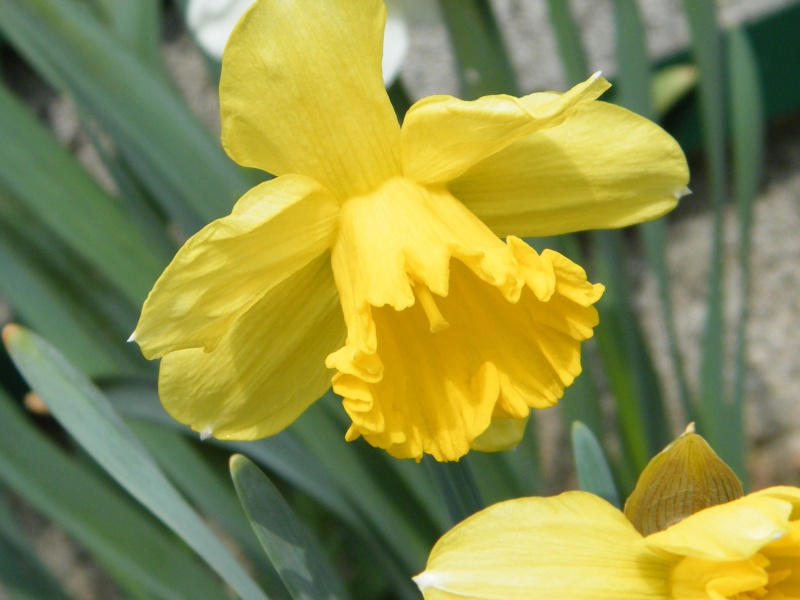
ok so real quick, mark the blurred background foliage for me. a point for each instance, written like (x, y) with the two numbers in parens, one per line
(152, 506)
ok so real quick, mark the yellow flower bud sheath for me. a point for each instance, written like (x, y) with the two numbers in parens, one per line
(384, 260)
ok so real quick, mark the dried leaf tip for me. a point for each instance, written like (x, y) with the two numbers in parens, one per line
(684, 478)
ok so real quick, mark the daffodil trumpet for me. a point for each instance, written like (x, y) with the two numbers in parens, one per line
(389, 262)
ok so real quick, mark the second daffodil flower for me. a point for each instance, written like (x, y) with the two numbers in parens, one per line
(375, 256)
(687, 533)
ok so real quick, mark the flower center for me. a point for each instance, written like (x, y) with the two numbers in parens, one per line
(435, 318)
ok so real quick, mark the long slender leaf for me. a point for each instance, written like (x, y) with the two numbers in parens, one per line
(171, 151)
(747, 131)
(136, 24)
(323, 436)
(97, 515)
(636, 93)
(714, 402)
(314, 475)
(570, 46)
(483, 63)
(626, 358)
(296, 556)
(184, 465)
(41, 300)
(282, 454)
(21, 571)
(458, 488)
(92, 421)
(36, 170)
(594, 474)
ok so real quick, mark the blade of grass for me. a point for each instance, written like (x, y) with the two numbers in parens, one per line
(457, 486)
(568, 37)
(282, 454)
(355, 464)
(714, 402)
(202, 485)
(89, 417)
(22, 574)
(72, 204)
(335, 486)
(626, 358)
(136, 24)
(183, 166)
(634, 92)
(101, 519)
(41, 300)
(748, 137)
(594, 474)
(620, 343)
(483, 63)
(297, 556)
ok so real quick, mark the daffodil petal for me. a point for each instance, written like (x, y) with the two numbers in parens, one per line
(731, 531)
(603, 167)
(443, 136)
(274, 229)
(564, 548)
(301, 91)
(697, 579)
(268, 369)
(433, 393)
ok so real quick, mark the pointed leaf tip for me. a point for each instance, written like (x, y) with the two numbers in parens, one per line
(9, 330)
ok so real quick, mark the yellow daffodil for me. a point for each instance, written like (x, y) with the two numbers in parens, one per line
(576, 546)
(375, 256)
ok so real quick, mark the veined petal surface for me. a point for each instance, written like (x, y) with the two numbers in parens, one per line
(301, 91)
(225, 268)
(569, 547)
(497, 337)
(602, 167)
(402, 236)
(268, 369)
(443, 136)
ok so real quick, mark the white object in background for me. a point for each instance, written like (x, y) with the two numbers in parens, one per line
(211, 23)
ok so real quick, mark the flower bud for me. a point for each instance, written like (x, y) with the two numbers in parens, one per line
(684, 478)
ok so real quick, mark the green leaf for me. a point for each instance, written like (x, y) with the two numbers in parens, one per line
(32, 289)
(626, 357)
(637, 93)
(671, 84)
(295, 554)
(570, 46)
(89, 417)
(21, 571)
(483, 63)
(202, 485)
(457, 486)
(594, 474)
(43, 176)
(357, 463)
(136, 24)
(748, 140)
(95, 513)
(183, 166)
(707, 51)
